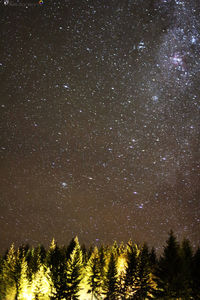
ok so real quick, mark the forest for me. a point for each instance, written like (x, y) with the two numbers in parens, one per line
(124, 271)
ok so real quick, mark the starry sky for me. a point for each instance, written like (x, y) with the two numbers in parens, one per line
(99, 121)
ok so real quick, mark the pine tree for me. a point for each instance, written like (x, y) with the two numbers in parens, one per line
(73, 273)
(186, 268)
(102, 261)
(2, 283)
(12, 270)
(56, 261)
(153, 259)
(94, 277)
(33, 259)
(169, 269)
(196, 275)
(111, 280)
(24, 284)
(145, 284)
(42, 284)
(130, 279)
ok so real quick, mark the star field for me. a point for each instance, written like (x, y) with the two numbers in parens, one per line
(99, 121)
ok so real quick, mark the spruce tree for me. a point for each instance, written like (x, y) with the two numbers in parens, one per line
(130, 279)
(196, 275)
(24, 284)
(56, 261)
(186, 269)
(12, 270)
(144, 284)
(102, 261)
(42, 284)
(169, 269)
(111, 280)
(94, 275)
(73, 273)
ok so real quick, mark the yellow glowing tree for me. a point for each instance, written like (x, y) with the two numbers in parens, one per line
(42, 285)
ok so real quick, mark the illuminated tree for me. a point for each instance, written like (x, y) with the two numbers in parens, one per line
(11, 271)
(111, 280)
(130, 278)
(24, 284)
(2, 283)
(73, 272)
(94, 277)
(33, 259)
(42, 284)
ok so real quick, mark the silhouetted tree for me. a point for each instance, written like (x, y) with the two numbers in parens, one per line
(144, 283)
(186, 269)
(196, 275)
(169, 270)
(56, 261)
(102, 261)
(153, 258)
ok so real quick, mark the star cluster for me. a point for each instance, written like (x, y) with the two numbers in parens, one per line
(99, 121)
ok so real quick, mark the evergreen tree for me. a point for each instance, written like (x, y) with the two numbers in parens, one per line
(24, 284)
(111, 280)
(42, 284)
(144, 285)
(12, 270)
(196, 275)
(33, 259)
(169, 270)
(102, 261)
(186, 269)
(73, 273)
(56, 261)
(71, 247)
(153, 259)
(94, 277)
(2, 284)
(128, 286)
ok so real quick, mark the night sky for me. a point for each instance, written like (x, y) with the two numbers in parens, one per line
(99, 121)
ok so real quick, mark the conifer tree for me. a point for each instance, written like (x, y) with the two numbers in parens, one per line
(12, 270)
(56, 261)
(2, 283)
(94, 277)
(24, 284)
(73, 272)
(33, 259)
(111, 280)
(130, 280)
(102, 261)
(186, 268)
(196, 275)
(169, 268)
(144, 284)
(42, 284)
(153, 259)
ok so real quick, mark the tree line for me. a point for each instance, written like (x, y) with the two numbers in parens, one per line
(107, 272)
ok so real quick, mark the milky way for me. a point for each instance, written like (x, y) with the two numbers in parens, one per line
(99, 121)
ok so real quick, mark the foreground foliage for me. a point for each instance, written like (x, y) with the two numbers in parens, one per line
(109, 272)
